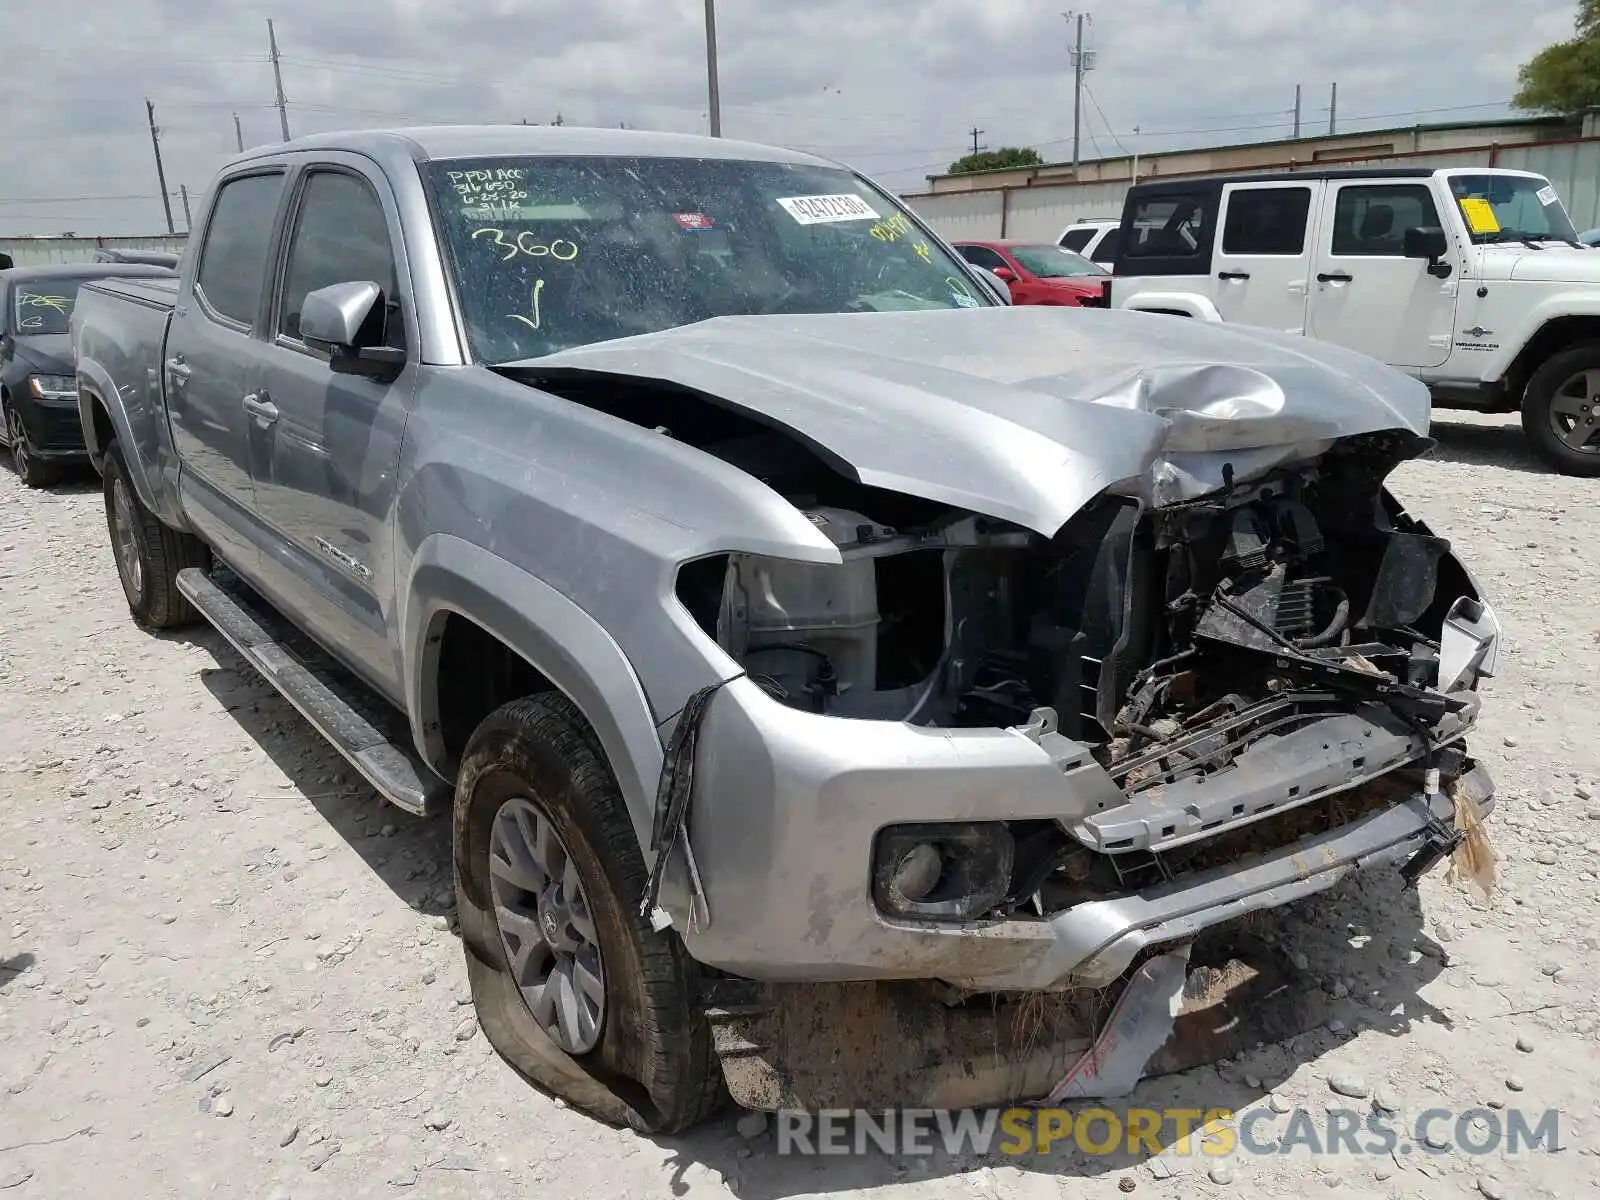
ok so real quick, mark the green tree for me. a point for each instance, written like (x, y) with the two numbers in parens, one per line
(1011, 156)
(1565, 78)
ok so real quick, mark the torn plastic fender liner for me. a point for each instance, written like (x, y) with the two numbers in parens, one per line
(674, 791)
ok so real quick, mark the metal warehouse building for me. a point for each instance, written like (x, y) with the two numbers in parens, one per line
(1038, 202)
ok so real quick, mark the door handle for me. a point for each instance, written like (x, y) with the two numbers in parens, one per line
(261, 408)
(178, 369)
(1233, 274)
(1333, 277)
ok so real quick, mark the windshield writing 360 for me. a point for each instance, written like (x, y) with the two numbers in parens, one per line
(551, 253)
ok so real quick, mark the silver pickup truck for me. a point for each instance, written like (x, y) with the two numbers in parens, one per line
(772, 605)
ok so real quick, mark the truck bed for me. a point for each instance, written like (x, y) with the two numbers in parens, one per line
(119, 336)
(155, 291)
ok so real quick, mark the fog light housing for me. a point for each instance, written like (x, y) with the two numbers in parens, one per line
(937, 872)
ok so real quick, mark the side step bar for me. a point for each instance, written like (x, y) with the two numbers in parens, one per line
(321, 690)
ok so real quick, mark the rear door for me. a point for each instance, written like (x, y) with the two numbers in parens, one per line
(1262, 263)
(328, 445)
(1365, 294)
(213, 363)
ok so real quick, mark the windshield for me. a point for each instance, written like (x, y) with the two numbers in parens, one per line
(44, 307)
(1506, 208)
(1053, 262)
(550, 253)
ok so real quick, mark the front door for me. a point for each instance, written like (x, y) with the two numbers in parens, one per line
(1365, 294)
(213, 364)
(328, 446)
(1263, 259)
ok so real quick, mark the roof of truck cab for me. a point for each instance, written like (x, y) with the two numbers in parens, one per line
(426, 143)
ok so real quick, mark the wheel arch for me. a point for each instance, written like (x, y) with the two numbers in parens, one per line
(1555, 336)
(468, 610)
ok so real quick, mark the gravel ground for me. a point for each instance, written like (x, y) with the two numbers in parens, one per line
(226, 969)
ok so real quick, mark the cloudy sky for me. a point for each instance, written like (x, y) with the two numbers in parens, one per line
(892, 86)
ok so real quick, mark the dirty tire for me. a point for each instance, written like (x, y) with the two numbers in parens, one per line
(32, 471)
(653, 1068)
(1542, 393)
(161, 552)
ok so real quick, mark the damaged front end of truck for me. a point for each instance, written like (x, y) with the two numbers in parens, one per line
(1129, 646)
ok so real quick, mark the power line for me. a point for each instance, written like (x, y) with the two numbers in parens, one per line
(1109, 132)
(74, 199)
(880, 116)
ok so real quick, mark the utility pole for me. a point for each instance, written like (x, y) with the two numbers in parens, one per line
(1135, 154)
(975, 131)
(1297, 112)
(1333, 108)
(277, 79)
(1082, 60)
(712, 91)
(558, 120)
(161, 173)
(238, 132)
(188, 221)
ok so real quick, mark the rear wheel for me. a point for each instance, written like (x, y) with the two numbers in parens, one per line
(33, 471)
(572, 987)
(148, 554)
(1561, 411)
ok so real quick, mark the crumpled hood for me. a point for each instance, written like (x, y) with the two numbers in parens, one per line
(1025, 414)
(1555, 263)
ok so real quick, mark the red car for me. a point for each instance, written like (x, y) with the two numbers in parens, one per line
(1041, 272)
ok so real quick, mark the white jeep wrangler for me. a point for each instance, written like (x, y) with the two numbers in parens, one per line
(1471, 279)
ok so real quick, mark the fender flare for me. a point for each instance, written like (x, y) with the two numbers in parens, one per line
(450, 575)
(95, 388)
(1188, 304)
(1554, 307)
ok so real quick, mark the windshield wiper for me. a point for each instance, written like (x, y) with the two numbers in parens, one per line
(1506, 236)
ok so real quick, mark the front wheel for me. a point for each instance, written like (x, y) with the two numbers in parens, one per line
(149, 555)
(33, 471)
(1561, 411)
(573, 988)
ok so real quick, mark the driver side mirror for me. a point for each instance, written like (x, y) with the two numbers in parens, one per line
(345, 320)
(1005, 273)
(1429, 242)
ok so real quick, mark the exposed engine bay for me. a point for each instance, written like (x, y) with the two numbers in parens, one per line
(1170, 640)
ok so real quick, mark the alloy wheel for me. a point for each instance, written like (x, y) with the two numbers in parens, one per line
(123, 539)
(546, 926)
(1575, 412)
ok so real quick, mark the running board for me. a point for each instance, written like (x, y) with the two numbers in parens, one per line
(338, 706)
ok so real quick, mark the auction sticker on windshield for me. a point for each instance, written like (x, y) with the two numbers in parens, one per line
(824, 210)
(1547, 195)
(1479, 214)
